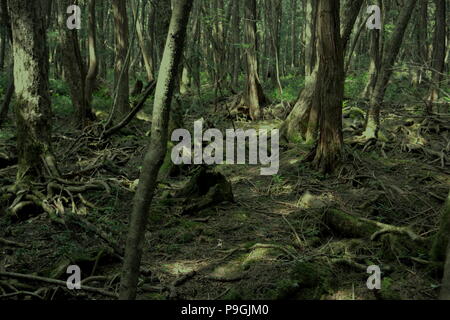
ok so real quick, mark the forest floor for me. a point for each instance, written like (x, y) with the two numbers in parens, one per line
(272, 242)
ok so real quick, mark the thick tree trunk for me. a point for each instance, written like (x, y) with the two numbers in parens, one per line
(438, 61)
(93, 60)
(303, 122)
(389, 56)
(121, 66)
(254, 97)
(157, 149)
(330, 85)
(236, 40)
(33, 112)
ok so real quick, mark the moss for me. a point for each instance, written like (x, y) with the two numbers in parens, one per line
(306, 281)
(387, 291)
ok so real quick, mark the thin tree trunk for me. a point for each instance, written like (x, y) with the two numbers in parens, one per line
(157, 149)
(389, 56)
(121, 66)
(148, 61)
(438, 61)
(93, 60)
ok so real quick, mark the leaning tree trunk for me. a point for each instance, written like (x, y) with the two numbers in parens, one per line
(330, 85)
(121, 65)
(438, 62)
(33, 111)
(254, 98)
(146, 54)
(389, 56)
(157, 149)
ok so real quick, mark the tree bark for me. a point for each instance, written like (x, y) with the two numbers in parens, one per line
(33, 111)
(121, 66)
(330, 85)
(147, 57)
(93, 60)
(389, 56)
(73, 66)
(254, 97)
(157, 149)
(438, 61)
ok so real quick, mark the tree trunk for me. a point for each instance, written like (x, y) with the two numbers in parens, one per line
(236, 40)
(330, 85)
(157, 149)
(389, 56)
(310, 38)
(148, 61)
(303, 122)
(438, 61)
(2, 46)
(73, 66)
(33, 111)
(121, 66)
(93, 61)
(351, 11)
(254, 97)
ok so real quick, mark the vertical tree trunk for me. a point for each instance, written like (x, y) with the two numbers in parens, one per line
(236, 40)
(254, 97)
(438, 61)
(310, 38)
(389, 56)
(294, 35)
(3, 45)
(330, 85)
(73, 66)
(93, 61)
(33, 111)
(157, 149)
(422, 35)
(121, 66)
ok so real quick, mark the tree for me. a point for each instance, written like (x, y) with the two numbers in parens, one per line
(146, 54)
(92, 72)
(303, 121)
(254, 98)
(73, 65)
(155, 154)
(121, 65)
(438, 60)
(389, 56)
(330, 87)
(33, 111)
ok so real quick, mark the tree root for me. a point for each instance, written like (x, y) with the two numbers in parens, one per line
(55, 282)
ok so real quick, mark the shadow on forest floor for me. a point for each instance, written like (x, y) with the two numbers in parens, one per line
(271, 243)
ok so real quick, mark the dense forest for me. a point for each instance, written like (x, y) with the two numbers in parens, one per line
(224, 150)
